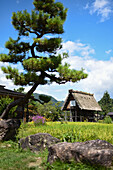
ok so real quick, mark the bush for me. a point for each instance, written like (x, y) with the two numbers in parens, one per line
(100, 121)
(38, 120)
(108, 120)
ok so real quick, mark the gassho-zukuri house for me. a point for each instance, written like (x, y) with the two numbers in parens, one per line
(82, 106)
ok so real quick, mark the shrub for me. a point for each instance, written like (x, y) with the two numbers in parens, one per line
(100, 121)
(108, 120)
(38, 120)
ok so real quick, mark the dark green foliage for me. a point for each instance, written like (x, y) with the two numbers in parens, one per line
(44, 98)
(106, 103)
(21, 90)
(53, 100)
(39, 59)
(48, 45)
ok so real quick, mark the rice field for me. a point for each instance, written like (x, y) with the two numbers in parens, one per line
(70, 131)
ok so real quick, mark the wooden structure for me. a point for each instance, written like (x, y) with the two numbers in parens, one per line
(12, 94)
(82, 106)
(15, 95)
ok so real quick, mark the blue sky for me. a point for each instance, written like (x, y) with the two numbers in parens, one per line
(88, 39)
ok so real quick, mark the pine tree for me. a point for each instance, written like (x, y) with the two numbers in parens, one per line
(38, 57)
(106, 103)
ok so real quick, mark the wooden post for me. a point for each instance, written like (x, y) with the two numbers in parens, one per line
(65, 116)
(80, 118)
(71, 120)
(97, 116)
(75, 116)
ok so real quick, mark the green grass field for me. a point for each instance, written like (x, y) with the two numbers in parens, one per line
(71, 131)
(13, 158)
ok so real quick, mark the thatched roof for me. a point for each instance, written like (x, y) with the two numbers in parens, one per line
(85, 101)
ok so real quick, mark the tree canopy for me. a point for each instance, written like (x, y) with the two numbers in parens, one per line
(106, 103)
(41, 64)
(44, 98)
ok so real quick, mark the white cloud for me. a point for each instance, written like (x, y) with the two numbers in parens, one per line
(103, 8)
(108, 51)
(7, 82)
(99, 77)
(4, 81)
(83, 49)
(100, 73)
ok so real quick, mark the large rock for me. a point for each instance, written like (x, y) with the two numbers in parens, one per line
(38, 142)
(8, 129)
(95, 151)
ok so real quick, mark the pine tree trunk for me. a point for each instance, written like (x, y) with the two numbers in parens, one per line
(19, 102)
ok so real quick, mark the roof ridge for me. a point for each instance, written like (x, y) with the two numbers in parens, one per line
(81, 92)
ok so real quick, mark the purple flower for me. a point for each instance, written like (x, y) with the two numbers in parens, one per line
(38, 120)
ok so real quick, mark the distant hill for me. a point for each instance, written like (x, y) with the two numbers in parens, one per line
(36, 96)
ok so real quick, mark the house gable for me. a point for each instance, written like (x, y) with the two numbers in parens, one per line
(85, 101)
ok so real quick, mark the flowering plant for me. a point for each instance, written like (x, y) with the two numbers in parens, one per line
(38, 120)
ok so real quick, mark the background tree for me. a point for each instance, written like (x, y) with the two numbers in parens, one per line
(38, 58)
(106, 103)
(44, 98)
(32, 107)
(51, 111)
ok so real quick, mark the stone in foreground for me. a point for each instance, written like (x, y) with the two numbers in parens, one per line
(38, 142)
(96, 152)
(8, 129)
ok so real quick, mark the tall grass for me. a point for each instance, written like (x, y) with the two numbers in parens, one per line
(71, 131)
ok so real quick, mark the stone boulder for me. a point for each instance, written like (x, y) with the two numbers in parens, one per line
(8, 129)
(38, 142)
(96, 152)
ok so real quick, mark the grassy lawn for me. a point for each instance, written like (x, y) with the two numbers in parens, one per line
(13, 158)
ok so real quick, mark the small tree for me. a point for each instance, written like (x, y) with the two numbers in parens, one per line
(38, 58)
(106, 103)
(44, 98)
